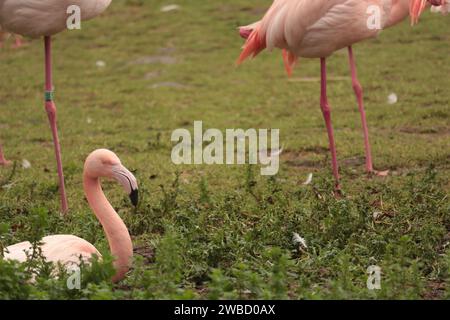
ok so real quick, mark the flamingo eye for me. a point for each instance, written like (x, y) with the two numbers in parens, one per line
(107, 162)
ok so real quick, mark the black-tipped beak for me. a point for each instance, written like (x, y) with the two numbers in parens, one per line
(134, 197)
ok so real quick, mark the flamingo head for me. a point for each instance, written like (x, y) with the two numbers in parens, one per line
(416, 8)
(103, 163)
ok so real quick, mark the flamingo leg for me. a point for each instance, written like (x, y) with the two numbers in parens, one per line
(359, 96)
(50, 107)
(3, 161)
(18, 41)
(327, 116)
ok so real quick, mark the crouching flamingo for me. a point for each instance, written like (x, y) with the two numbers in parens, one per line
(316, 29)
(38, 18)
(67, 249)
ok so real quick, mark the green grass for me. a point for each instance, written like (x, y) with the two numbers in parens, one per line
(224, 231)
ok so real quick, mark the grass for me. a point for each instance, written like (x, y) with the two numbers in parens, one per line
(226, 232)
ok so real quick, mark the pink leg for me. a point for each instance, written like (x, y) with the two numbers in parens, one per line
(18, 41)
(50, 107)
(327, 116)
(359, 96)
(3, 161)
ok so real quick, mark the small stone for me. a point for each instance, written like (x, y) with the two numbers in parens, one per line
(392, 98)
(170, 7)
(26, 164)
(100, 64)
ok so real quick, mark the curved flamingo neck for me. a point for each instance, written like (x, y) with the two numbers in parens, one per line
(116, 232)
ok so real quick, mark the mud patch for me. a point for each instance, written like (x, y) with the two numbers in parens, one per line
(315, 149)
(175, 85)
(154, 60)
(354, 162)
(300, 159)
(435, 290)
(424, 131)
(147, 253)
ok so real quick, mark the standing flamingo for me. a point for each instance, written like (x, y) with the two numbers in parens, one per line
(38, 18)
(67, 249)
(316, 29)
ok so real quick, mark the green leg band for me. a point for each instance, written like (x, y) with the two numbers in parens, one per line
(49, 95)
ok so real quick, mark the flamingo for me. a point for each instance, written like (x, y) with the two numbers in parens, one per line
(316, 29)
(38, 18)
(68, 249)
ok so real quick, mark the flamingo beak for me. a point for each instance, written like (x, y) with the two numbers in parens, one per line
(134, 197)
(416, 8)
(128, 181)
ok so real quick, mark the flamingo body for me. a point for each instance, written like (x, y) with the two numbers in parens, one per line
(316, 29)
(37, 18)
(58, 248)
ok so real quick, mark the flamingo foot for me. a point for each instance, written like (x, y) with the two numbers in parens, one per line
(18, 43)
(5, 163)
(338, 194)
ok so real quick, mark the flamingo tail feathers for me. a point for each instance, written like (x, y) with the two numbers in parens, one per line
(254, 45)
(289, 60)
(416, 8)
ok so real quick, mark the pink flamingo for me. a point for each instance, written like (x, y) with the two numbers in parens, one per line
(67, 249)
(37, 18)
(316, 29)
